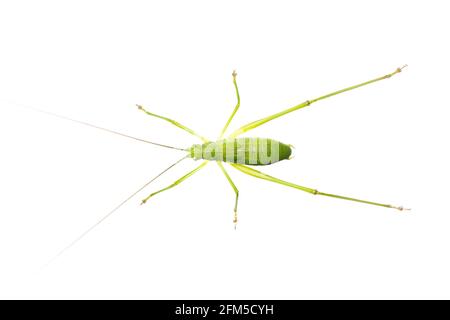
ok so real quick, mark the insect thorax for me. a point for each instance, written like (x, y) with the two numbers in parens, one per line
(250, 151)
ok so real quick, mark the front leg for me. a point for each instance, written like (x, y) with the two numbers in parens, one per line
(175, 123)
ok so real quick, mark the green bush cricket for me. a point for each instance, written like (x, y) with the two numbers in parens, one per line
(240, 153)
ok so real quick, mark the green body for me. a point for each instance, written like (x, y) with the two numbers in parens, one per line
(249, 151)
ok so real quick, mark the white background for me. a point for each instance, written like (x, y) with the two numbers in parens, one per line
(93, 60)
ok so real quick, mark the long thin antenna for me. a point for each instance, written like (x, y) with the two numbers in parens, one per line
(111, 212)
(94, 126)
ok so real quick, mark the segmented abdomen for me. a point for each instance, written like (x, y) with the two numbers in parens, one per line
(250, 151)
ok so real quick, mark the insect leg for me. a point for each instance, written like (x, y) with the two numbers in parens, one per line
(235, 191)
(235, 108)
(259, 122)
(260, 175)
(176, 182)
(175, 123)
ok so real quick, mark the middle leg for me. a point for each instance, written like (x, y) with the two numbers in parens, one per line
(235, 191)
(238, 104)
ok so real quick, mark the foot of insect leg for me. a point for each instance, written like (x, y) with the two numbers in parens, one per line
(260, 175)
(176, 182)
(235, 220)
(400, 208)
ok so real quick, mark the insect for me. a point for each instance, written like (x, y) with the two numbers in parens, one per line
(242, 153)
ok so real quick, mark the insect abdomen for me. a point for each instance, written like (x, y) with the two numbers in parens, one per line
(250, 151)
